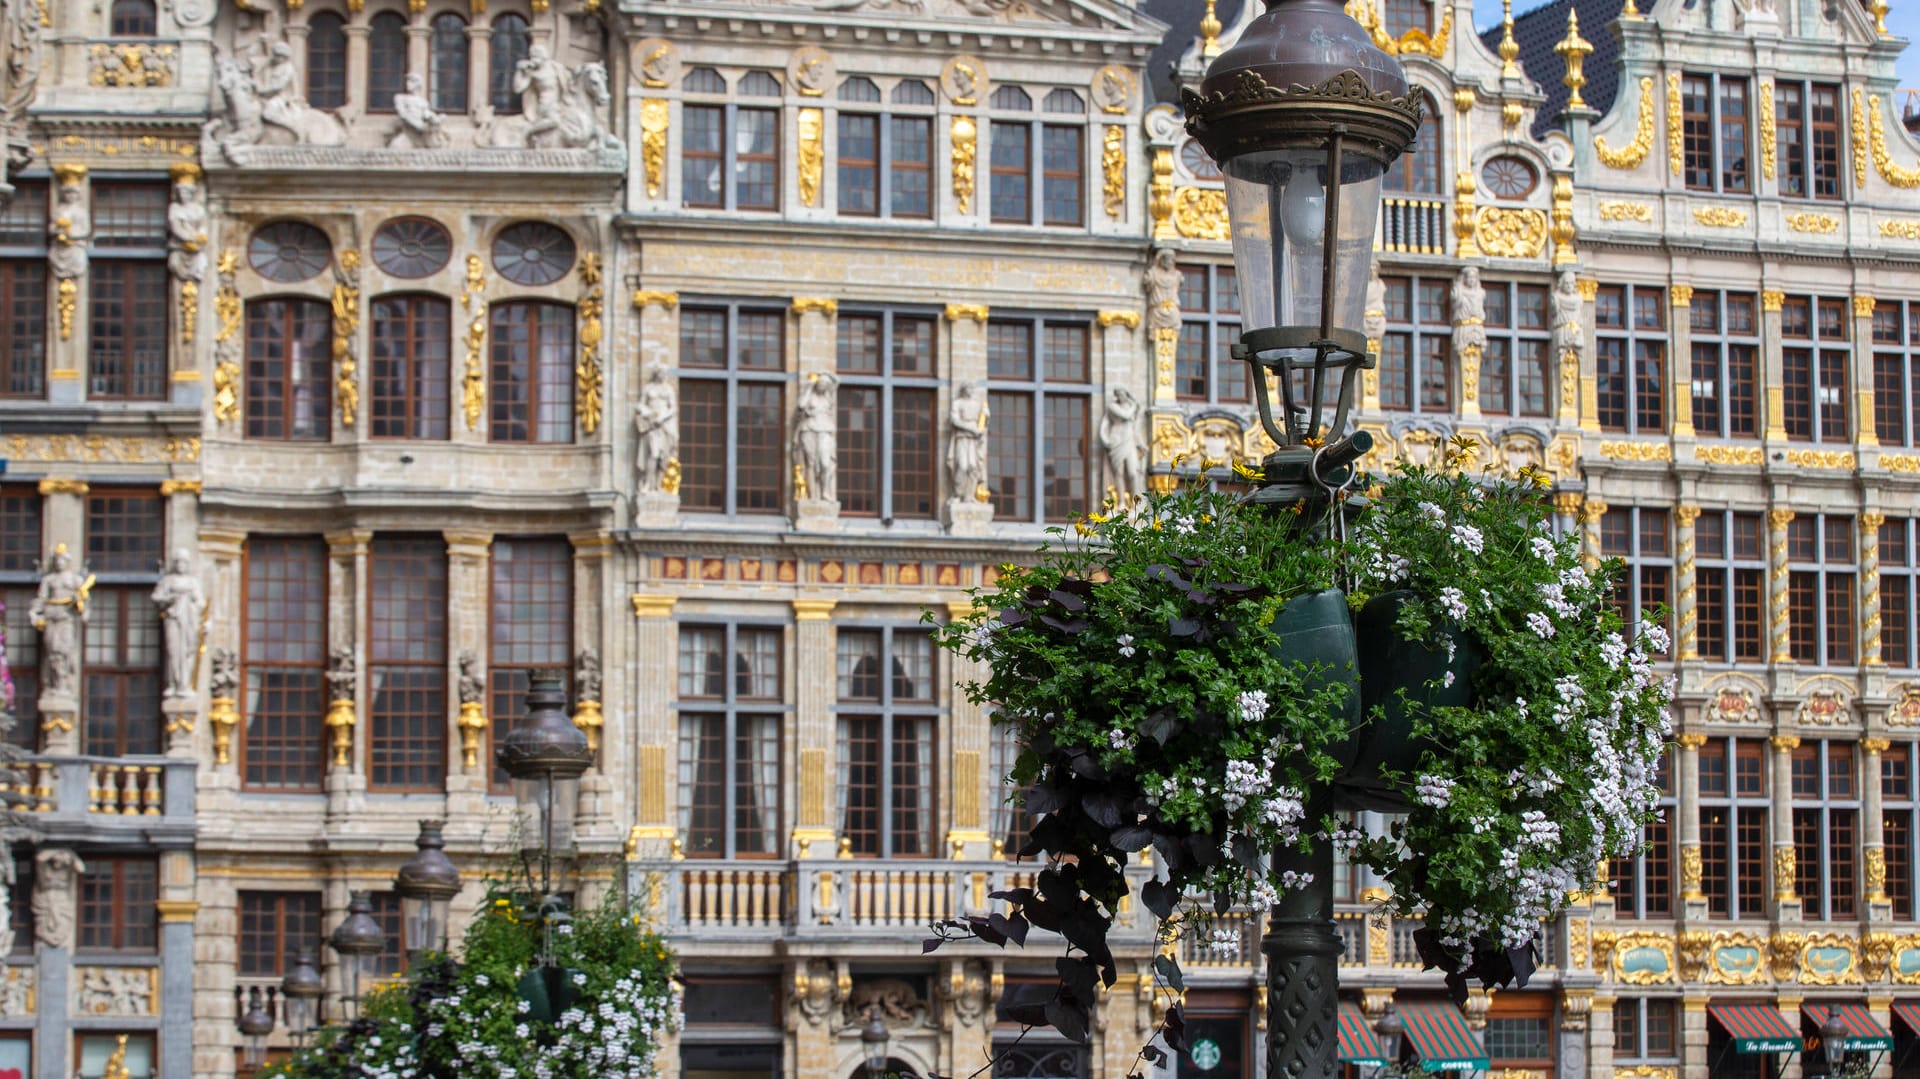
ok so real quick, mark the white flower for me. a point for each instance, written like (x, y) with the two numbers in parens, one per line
(1125, 643)
(1253, 705)
(1448, 680)
(1433, 790)
(1119, 739)
(1223, 942)
(1454, 602)
(1540, 624)
(1542, 548)
(1655, 636)
(1469, 537)
(1434, 513)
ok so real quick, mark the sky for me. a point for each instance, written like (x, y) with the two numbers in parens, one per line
(1903, 20)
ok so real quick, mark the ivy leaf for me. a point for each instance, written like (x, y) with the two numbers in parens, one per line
(1162, 725)
(1158, 897)
(1067, 601)
(1171, 853)
(1017, 929)
(1204, 851)
(1174, 1028)
(1169, 971)
(1043, 799)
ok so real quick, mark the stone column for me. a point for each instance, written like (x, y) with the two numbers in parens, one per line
(184, 386)
(177, 909)
(1686, 645)
(216, 931)
(357, 31)
(1600, 1035)
(420, 47)
(813, 727)
(469, 561)
(479, 67)
(67, 345)
(653, 737)
(971, 780)
(1694, 1035)
(1680, 364)
(1771, 371)
(1692, 897)
(1777, 521)
(967, 513)
(220, 554)
(1873, 838)
(1119, 330)
(1863, 370)
(658, 324)
(1789, 1002)
(1576, 1011)
(1870, 591)
(600, 803)
(814, 510)
(347, 553)
(1785, 896)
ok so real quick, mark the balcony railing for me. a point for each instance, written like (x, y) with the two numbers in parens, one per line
(1413, 226)
(104, 790)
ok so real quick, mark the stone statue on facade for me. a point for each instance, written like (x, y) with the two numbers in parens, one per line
(420, 127)
(656, 421)
(187, 231)
(182, 603)
(586, 675)
(1566, 310)
(542, 86)
(223, 677)
(71, 228)
(25, 49)
(1163, 292)
(816, 426)
(251, 101)
(967, 443)
(115, 991)
(56, 878)
(1469, 313)
(341, 674)
(1374, 318)
(58, 610)
(472, 685)
(1120, 435)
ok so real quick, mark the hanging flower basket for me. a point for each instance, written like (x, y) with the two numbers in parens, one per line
(1211, 681)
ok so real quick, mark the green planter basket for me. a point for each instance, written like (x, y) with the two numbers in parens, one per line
(1399, 681)
(1317, 629)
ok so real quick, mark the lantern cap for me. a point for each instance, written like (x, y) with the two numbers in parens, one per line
(1299, 70)
(255, 1022)
(303, 981)
(545, 743)
(359, 934)
(429, 874)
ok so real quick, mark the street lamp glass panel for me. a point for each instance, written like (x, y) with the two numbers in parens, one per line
(531, 795)
(426, 922)
(1277, 206)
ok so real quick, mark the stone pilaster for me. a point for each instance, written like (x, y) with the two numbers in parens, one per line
(1589, 373)
(1771, 371)
(971, 783)
(1680, 364)
(177, 910)
(654, 739)
(1789, 1002)
(1870, 645)
(1600, 1035)
(64, 525)
(216, 932)
(1777, 576)
(1863, 371)
(347, 555)
(1687, 779)
(1590, 513)
(469, 561)
(1873, 836)
(601, 804)
(358, 31)
(220, 571)
(967, 514)
(1686, 645)
(657, 319)
(815, 358)
(814, 826)
(67, 340)
(1693, 1038)
(479, 56)
(1786, 897)
(1576, 1013)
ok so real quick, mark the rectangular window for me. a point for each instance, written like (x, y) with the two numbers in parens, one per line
(885, 165)
(1643, 884)
(1642, 537)
(886, 408)
(1516, 373)
(733, 409)
(1726, 349)
(910, 166)
(117, 896)
(1012, 172)
(530, 392)
(1733, 826)
(126, 531)
(886, 715)
(1416, 369)
(1203, 365)
(1820, 589)
(284, 658)
(1900, 814)
(126, 538)
(408, 392)
(289, 379)
(756, 146)
(1815, 382)
(1631, 364)
(20, 555)
(1010, 819)
(859, 177)
(1896, 373)
(1645, 1029)
(1731, 582)
(1714, 137)
(703, 143)
(1808, 122)
(127, 337)
(1039, 435)
(730, 681)
(23, 319)
(407, 663)
(1826, 812)
(1062, 165)
(274, 926)
(1899, 570)
(730, 157)
(531, 626)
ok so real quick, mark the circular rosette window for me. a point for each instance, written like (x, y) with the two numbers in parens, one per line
(411, 247)
(288, 251)
(533, 253)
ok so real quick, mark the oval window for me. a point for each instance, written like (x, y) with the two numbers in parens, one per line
(533, 253)
(1198, 161)
(411, 247)
(288, 251)
(1508, 178)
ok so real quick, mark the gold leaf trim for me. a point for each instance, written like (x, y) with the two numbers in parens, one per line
(1633, 153)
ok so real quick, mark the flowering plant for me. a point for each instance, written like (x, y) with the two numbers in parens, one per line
(469, 1020)
(1165, 676)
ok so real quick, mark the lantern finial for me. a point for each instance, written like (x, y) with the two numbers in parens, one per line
(1210, 32)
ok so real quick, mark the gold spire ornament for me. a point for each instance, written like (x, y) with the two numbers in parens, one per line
(1878, 9)
(1629, 11)
(1509, 48)
(1574, 50)
(1210, 32)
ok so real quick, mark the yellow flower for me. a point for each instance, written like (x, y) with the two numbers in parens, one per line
(1251, 475)
(1313, 442)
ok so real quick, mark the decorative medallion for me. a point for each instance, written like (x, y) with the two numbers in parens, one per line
(964, 80)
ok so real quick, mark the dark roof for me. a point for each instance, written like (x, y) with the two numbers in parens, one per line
(1183, 21)
(1539, 30)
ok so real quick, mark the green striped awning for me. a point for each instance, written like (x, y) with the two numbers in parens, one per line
(1357, 1042)
(1439, 1034)
(1756, 1028)
(1909, 1013)
(1864, 1032)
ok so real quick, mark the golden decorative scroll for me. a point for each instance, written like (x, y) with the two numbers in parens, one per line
(653, 143)
(69, 301)
(1883, 161)
(226, 340)
(130, 64)
(668, 300)
(1820, 458)
(473, 382)
(1900, 230)
(1859, 117)
(1676, 157)
(1518, 233)
(1636, 451)
(1811, 222)
(1863, 306)
(1616, 210)
(1633, 153)
(1200, 213)
(1720, 217)
(1563, 229)
(346, 324)
(1129, 319)
(825, 305)
(1680, 295)
(1113, 166)
(1160, 194)
(98, 448)
(975, 311)
(1768, 138)
(812, 157)
(964, 137)
(1771, 299)
(587, 403)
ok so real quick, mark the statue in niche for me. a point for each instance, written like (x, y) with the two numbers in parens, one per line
(187, 231)
(967, 444)
(1374, 318)
(56, 873)
(472, 686)
(815, 429)
(182, 604)
(420, 127)
(1566, 304)
(341, 674)
(586, 675)
(1469, 311)
(71, 228)
(58, 610)
(1163, 292)
(1120, 434)
(656, 421)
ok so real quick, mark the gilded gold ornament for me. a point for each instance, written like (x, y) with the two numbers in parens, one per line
(1676, 157)
(811, 158)
(1113, 167)
(1517, 233)
(964, 137)
(1768, 137)
(653, 143)
(1200, 213)
(1882, 160)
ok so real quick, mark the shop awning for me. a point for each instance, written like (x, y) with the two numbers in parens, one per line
(1439, 1034)
(1756, 1028)
(1357, 1042)
(1908, 1012)
(1864, 1032)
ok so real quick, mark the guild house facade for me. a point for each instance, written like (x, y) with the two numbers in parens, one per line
(363, 357)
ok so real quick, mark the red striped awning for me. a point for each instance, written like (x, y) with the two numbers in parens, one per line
(1864, 1032)
(1908, 1012)
(1357, 1042)
(1439, 1034)
(1756, 1028)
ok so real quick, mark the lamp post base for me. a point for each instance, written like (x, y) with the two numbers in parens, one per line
(1303, 971)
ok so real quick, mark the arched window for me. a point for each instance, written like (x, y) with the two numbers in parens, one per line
(530, 384)
(288, 251)
(759, 84)
(509, 48)
(448, 51)
(912, 92)
(1419, 172)
(533, 253)
(386, 60)
(860, 90)
(326, 61)
(134, 18)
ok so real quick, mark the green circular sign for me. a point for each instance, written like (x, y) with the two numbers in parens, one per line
(1205, 1054)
